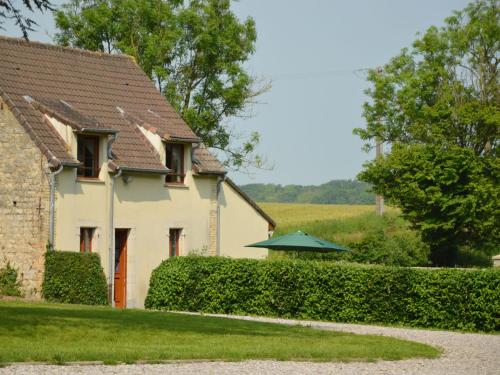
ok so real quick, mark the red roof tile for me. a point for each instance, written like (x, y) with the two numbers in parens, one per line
(101, 90)
(205, 163)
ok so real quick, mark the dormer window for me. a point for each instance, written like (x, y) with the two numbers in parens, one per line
(88, 155)
(175, 162)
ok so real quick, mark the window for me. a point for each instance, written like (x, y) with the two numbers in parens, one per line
(88, 155)
(86, 235)
(175, 162)
(175, 236)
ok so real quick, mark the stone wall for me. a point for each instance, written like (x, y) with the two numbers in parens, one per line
(24, 203)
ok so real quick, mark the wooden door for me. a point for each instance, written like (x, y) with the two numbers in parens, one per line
(120, 296)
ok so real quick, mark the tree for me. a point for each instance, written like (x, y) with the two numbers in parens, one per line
(194, 51)
(9, 10)
(438, 105)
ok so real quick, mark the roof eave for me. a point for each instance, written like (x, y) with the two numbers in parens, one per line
(170, 138)
(96, 130)
(145, 170)
(209, 173)
(71, 164)
(25, 124)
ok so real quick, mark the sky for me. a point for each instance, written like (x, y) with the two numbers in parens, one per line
(315, 54)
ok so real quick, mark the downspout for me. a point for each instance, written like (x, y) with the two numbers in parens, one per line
(52, 208)
(112, 236)
(220, 180)
(111, 226)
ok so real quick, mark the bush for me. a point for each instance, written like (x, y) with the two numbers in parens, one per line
(437, 298)
(9, 285)
(386, 240)
(401, 249)
(72, 277)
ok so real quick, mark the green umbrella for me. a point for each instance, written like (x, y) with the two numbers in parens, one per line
(298, 241)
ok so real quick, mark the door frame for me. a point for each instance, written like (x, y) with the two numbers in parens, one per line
(177, 232)
(119, 232)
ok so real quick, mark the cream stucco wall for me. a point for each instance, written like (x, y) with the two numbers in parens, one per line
(240, 225)
(150, 209)
(142, 203)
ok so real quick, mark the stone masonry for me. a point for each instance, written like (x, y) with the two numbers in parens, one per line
(24, 203)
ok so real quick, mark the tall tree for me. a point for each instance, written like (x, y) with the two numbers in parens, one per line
(194, 50)
(10, 9)
(438, 105)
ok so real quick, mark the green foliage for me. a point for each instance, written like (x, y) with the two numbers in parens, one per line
(449, 194)
(372, 239)
(438, 105)
(9, 283)
(12, 10)
(73, 277)
(332, 192)
(433, 298)
(443, 91)
(194, 50)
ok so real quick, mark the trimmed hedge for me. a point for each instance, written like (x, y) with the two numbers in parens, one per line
(434, 298)
(73, 277)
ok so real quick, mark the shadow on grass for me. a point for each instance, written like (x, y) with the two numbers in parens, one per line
(23, 321)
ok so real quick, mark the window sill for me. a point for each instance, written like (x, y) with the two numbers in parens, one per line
(176, 185)
(92, 180)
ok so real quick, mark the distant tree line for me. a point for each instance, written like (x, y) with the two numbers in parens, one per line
(332, 192)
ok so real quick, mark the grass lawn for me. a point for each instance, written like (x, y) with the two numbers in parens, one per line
(63, 333)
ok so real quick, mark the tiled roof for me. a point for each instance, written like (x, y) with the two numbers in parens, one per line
(67, 114)
(87, 90)
(205, 163)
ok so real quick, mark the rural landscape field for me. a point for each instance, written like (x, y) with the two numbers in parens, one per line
(387, 239)
(371, 238)
(292, 214)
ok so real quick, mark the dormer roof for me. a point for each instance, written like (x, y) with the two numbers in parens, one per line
(89, 91)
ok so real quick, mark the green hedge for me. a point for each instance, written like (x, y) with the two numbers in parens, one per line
(440, 298)
(72, 277)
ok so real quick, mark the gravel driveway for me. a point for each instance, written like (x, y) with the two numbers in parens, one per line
(464, 353)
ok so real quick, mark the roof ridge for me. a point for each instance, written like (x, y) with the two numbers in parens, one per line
(46, 45)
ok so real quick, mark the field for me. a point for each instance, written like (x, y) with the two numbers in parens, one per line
(292, 214)
(344, 224)
(55, 333)
(371, 238)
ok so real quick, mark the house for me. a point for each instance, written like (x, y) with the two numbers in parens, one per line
(94, 159)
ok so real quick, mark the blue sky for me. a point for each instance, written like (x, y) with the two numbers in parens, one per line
(312, 52)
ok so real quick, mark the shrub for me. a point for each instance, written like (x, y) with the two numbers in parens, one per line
(72, 277)
(9, 284)
(386, 240)
(400, 249)
(437, 298)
